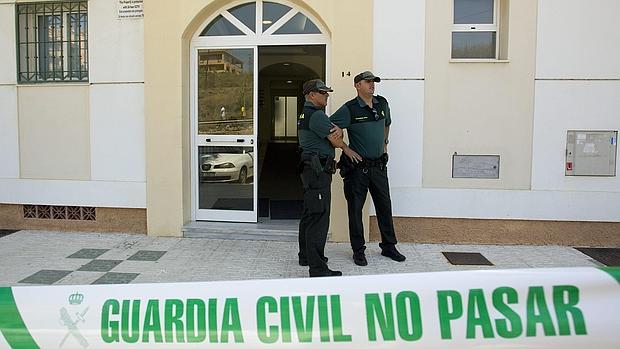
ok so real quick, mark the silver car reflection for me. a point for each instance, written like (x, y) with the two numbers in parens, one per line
(227, 167)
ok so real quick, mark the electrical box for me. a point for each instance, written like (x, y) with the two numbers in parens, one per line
(591, 153)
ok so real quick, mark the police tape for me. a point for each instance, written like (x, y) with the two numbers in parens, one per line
(521, 308)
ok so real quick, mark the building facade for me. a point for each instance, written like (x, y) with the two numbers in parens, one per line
(505, 113)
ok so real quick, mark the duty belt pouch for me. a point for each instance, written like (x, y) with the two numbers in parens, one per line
(383, 161)
(384, 158)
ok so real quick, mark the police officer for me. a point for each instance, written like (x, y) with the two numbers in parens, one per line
(367, 120)
(317, 139)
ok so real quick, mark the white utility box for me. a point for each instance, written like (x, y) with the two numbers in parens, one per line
(591, 153)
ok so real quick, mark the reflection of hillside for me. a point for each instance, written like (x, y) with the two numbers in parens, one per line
(227, 89)
(220, 129)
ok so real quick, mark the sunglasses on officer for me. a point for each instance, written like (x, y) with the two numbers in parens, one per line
(321, 92)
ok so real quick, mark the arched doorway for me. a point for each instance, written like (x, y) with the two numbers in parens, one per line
(247, 62)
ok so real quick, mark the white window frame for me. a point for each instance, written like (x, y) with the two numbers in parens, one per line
(476, 27)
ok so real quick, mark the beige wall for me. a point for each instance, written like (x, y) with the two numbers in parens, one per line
(169, 26)
(500, 120)
(54, 132)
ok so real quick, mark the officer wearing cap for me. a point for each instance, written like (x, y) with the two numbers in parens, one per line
(367, 120)
(317, 139)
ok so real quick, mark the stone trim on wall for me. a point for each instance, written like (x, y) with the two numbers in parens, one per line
(502, 232)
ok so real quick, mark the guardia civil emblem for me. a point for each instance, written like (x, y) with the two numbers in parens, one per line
(71, 322)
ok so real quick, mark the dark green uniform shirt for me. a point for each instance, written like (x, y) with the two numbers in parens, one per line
(313, 130)
(366, 131)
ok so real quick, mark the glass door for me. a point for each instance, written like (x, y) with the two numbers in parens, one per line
(225, 134)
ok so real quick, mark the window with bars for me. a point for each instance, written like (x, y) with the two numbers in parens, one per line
(52, 41)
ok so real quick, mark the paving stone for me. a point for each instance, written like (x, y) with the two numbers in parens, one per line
(5, 232)
(45, 277)
(88, 253)
(149, 256)
(115, 278)
(80, 278)
(100, 265)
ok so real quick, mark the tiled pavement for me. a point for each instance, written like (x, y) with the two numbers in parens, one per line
(37, 257)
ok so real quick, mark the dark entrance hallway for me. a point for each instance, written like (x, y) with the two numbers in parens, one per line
(283, 70)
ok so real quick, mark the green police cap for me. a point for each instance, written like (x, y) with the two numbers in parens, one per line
(367, 75)
(316, 85)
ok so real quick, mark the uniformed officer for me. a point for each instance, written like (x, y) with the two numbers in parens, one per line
(367, 120)
(317, 139)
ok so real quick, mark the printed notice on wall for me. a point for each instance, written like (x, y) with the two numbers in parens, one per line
(130, 9)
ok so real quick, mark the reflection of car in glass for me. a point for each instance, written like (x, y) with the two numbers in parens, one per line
(227, 167)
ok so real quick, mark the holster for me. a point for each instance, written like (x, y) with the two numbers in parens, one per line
(345, 165)
(318, 165)
(330, 165)
(315, 164)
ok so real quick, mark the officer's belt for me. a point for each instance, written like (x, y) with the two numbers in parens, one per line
(322, 159)
(370, 163)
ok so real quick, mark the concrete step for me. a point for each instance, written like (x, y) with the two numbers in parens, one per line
(280, 230)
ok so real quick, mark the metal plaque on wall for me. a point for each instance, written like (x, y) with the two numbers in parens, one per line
(475, 166)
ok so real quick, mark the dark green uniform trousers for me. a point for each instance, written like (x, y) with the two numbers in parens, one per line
(357, 183)
(314, 223)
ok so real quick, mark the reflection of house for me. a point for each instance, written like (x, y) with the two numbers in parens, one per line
(221, 61)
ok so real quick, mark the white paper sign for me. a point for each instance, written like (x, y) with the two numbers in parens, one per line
(130, 9)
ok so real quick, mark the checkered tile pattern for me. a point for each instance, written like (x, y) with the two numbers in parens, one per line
(101, 268)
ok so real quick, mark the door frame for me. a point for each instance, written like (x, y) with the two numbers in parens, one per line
(222, 140)
(251, 40)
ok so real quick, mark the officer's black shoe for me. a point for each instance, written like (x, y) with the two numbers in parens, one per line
(328, 272)
(304, 262)
(359, 258)
(393, 253)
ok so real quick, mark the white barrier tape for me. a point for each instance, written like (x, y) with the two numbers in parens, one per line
(522, 308)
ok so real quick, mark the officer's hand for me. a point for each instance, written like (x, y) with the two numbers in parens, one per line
(355, 157)
(336, 132)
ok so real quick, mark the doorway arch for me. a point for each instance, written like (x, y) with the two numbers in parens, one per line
(224, 100)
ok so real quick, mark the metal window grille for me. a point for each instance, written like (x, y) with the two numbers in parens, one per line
(52, 41)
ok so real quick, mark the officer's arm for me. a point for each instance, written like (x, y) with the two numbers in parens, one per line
(336, 131)
(341, 118)
(339, 143)
(386, 131)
